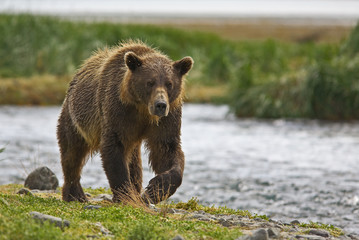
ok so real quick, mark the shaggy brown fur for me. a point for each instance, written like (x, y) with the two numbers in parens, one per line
(119, 98)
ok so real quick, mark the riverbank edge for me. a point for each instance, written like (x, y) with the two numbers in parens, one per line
(50, 90)
(230, 223)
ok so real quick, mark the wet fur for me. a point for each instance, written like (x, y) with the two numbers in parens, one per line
(107, 110)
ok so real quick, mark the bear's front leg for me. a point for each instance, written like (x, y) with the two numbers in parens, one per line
(115, 165)
(167, 161)
(163, 186)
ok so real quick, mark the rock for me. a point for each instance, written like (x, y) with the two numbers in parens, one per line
(319, 232)
(44, 191)
(102, 197)
(25, 191)
(171, 211)
(200, 212)
(260, 234)
(55, 220)
(92, 207)
(309, 237)
(225, 223)
(103, 230)
(92, 236)
(42, 178)
(178, 237)
(295, 222)
(353, 236)
(273, 232)
(200, 217)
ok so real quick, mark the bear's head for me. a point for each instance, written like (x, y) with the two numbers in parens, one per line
(155, 81)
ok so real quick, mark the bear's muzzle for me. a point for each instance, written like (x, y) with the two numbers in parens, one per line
(159, 106)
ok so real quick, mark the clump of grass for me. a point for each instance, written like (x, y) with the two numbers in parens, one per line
(193, 205)
(336, 232)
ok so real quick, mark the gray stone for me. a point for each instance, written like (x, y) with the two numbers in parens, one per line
(353, 236)
(103, 230)
(171, 211)
(44, 191)
(25, 191)
(42, 178)
(225, 223)
(319, 232)
(309, 237)
(92, 207)
(102, 197)
(178, 237)
(295, 222)
(273, 232)
(260, 234)
(92, 236)
(200, 217)
(55, 220)
(201, 212)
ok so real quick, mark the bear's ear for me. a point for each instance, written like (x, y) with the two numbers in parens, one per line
(183, 65)
(132, 61)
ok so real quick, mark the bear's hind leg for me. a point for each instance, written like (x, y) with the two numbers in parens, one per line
(74, 151)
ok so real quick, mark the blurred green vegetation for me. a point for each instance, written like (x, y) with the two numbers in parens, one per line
(326, 86)
(268, 78)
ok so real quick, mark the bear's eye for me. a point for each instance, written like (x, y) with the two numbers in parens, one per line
(150, 83)
(169, 85)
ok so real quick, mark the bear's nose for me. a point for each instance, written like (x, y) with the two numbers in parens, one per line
(160, 108)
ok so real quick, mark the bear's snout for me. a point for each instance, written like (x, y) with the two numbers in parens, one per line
(160, 108)
(159, 105)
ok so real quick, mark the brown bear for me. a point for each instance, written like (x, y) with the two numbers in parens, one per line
(117, 99)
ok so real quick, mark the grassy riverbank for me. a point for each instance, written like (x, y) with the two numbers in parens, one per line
(263, 78)
(118, 221)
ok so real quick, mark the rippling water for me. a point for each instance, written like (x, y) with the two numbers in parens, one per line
(305, 170)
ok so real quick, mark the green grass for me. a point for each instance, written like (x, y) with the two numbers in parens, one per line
(124, 221)
(266, 79)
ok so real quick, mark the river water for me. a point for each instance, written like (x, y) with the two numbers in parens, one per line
(136, 9)
(305, 170)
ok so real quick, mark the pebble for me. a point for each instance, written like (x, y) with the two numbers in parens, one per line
(42, 178)
(102, 197)
(260, 234)
(25, 191)
(273, 232)
(200, 217)
(295, 222)
(309, 237)
(178, 237)
(55, 220)
(171, 211)
(319, 232)
(92, 207)
(103, 230)
(225, 222)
